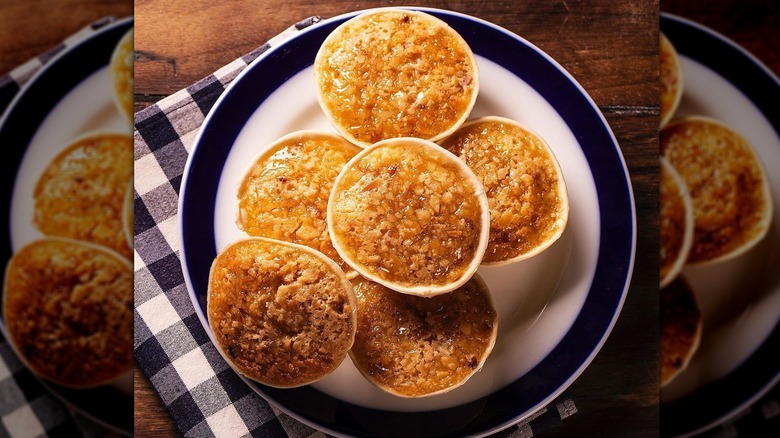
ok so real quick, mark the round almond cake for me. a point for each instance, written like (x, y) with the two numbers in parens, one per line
(81, 194)
(68, 307)
(284, 193)
(671, 80)
(395, 73)
(409, 215)
(122, 75)
(282, 314)
(729, 191)
(681, 328)
(414, 346)
(676, 217)
(529, 207)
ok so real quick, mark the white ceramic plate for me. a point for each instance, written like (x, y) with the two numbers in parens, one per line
(555, 310)
(70, 96)
(737, 360)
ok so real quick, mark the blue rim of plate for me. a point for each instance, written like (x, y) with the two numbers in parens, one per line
(18, 126)
(605, 297)
(716, 402)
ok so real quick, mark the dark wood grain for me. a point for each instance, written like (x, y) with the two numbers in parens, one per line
(753, 24)
(151, 419)
(610, 48)
(173, 54)
(29, 28)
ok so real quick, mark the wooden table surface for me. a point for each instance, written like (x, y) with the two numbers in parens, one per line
(609, 48)
(28, 29)
(753, 24)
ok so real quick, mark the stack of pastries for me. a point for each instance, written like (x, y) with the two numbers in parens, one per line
(715, 205)
(68, 294)
(397, 210)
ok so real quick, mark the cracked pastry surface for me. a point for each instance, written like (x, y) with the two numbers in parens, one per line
(409, 215)
(417, 346)
(68, 306)
(283, 314)
(395, 73)
(284, 194)
(524, 184)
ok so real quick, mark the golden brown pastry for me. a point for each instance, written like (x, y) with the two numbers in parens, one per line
(122, 75)
(415, 346)
(676, 218)
(671, 80)
(282, 314)
(409, 215)
(284, 194)
(391, 73)
(81, 194)
(68, 307)
(730, 193)
(525, 188)
(681, 327)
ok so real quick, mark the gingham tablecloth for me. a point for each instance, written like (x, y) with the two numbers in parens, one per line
(202, 393)
(26, 408)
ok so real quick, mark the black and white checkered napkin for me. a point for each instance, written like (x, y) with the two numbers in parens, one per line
(27, 409)
(203, 394)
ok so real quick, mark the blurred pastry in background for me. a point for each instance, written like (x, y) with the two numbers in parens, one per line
(128, 215)
(677, 220)
(81, 194)
(729, 190)
(68, 309)
(671, 80)
(681, 328)
(122, 75)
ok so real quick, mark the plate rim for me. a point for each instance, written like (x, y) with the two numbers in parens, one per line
(626, 281)
(730, 410)
(30, 86)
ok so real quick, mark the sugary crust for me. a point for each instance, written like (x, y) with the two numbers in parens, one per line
(284, 194)
(68, 309)
(409, 215)
(681, 328)
(81, 194)
(676, 217)
(524, 184)
(282, 314)
(122, 75)
(671, 80)
(416, 346)
(395, 73)
(729, 190)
